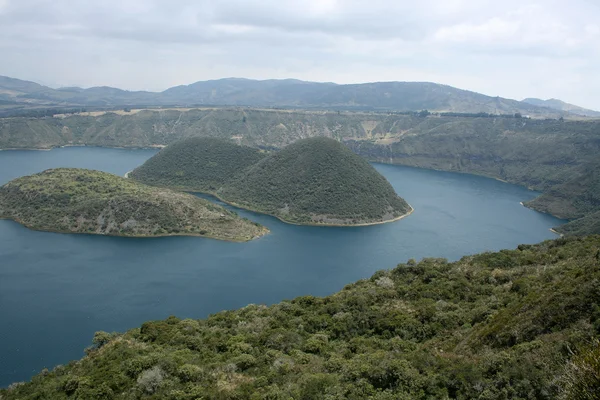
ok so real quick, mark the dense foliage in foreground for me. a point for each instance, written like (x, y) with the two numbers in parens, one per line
(85, 201)
(519, 324)
(316, 181)
(200, 164)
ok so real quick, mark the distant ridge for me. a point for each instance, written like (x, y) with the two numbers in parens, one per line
(289, 93)
(563, 106)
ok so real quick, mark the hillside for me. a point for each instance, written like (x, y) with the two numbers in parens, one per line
(316, 181)
(85, 201)
(586, 225)
(540, 154)
(518, 324)
(389, 96)
(562, 106)
(578, 196)
(200, 164)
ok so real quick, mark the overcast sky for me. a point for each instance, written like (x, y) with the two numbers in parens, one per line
(510, 48)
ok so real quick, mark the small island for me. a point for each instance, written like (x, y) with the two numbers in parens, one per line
(85, 201)
(315, 181)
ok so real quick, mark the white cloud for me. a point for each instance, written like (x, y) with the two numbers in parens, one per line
(593, 30)
(496, 29)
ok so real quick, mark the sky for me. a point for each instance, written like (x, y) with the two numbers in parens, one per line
(509, 48)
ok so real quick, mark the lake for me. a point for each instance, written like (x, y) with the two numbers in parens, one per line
(56, 290)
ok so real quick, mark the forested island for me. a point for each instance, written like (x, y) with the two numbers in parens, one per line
(315, 181)
(520, 324)
(93, 202)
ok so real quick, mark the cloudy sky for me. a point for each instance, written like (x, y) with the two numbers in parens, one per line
(510, 48)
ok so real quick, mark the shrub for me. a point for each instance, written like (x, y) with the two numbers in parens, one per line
(150, 380)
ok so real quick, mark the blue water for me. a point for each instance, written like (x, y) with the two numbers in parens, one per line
(56, 290)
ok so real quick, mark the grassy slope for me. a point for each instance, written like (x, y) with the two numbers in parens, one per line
(85, 201)
(197, 164)
(490, 326)
(535, 153)
(316, 181)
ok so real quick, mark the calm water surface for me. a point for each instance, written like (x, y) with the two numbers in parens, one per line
(56, 290)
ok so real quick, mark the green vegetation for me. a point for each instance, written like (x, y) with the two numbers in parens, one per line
(577, 197)
(518, 324)
(540, 154)
(316, 181)
(84, 201)
(197, 164)
(588, 225)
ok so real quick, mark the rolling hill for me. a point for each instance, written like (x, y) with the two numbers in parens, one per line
(290, 93)
(316, 181)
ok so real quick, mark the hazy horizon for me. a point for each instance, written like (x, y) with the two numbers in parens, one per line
(515, 49)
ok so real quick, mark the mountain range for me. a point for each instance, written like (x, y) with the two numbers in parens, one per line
(287, 93)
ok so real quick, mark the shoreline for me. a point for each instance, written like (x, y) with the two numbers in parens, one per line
(215, 195)
(16, 220)
(63, 146)
(27, 149)
(307, 224)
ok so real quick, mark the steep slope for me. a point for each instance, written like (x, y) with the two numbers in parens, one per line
(316, 181)
(93, 202)
(518, 324)
(200, 164)
(562, 106)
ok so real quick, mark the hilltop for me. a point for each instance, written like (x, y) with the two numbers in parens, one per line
(93, 202)
(200, 164)
(316, 181)
(514, 324)
(290, 93)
